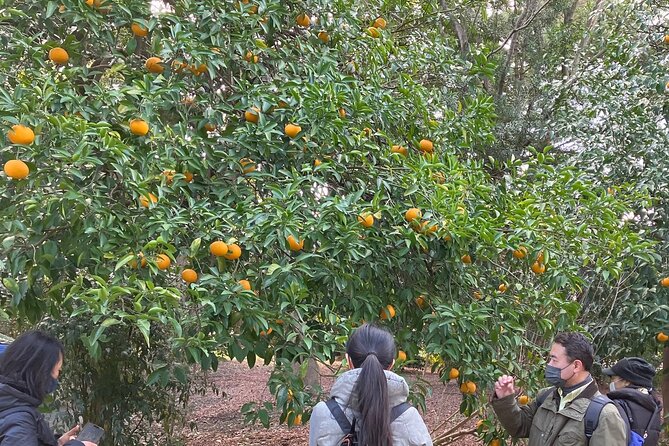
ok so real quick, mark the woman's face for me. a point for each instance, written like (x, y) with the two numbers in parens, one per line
(55, 373)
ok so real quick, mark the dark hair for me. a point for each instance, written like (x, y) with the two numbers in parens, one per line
(577, 347)
(29, 361)
(372, 349)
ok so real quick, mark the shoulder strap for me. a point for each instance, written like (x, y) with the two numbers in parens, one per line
(591, 419)
(542, 396)
(656, 412)
(398, 410)
(339, 415)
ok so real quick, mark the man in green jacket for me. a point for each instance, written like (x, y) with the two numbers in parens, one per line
(558, 421)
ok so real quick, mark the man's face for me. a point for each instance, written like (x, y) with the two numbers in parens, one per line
(558, 358)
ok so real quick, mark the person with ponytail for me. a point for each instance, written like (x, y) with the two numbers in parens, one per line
(369, 394)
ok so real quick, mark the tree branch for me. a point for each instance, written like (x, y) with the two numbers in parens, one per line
(520, 28)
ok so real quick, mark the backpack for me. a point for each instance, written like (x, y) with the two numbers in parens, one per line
(592, 413)
(351, 437)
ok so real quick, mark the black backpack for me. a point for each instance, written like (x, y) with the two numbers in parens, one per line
(351, 437)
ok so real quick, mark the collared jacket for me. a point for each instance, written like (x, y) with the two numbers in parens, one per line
(407, 430)
(21, 424)
(547, 426)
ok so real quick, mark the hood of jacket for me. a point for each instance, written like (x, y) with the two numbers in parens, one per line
(628, 393)
(342, 390)
(13, 395)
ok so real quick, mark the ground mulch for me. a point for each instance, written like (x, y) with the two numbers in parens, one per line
(220, 422)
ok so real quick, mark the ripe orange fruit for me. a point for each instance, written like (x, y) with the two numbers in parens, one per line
(16, 169)
(317, 162)
(139, 30)
(292, 130)
(466, 259)
(323, 37)
(294, 244)
(252, 115)
(538, 268)
(342, 113)
(189, 176)
(428, 229)
(142, 261)
(58, 56)
(373, 32)
(298, 420)
(540, 257)
(453, 373)
(420, 301)
(303, 20)
(412, 214)
(146, 202)
(218, 248)
(666, 39)
(661, 337)
(425, 145)
(399, 149)
(401, 356)
(471, 387)
(387, 313)
(248, 165)
(523, 400)
(246, 285)
(169, 175)
(210, 127)
(495, 442)
(520, 253)
(234, 252)
(367, 220)
(502, 287)
(21, 134)
(139, 127)
(188, 275)
(153, 64)
(665, 282)
(163, 261)
(479, 423)
(380, 23)
(266, 333)
(477, 295)
(251, 58)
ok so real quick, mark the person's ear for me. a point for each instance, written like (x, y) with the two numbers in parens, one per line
(390, 367)
(349, 362)
(578, 364)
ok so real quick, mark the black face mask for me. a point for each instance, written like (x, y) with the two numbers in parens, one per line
(553, 375)
(52, 386)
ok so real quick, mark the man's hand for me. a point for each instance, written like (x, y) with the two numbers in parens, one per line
(504, 386)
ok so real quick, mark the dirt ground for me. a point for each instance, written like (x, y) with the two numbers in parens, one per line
(219, 420)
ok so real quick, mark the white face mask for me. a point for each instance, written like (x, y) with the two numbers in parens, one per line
(612, 386)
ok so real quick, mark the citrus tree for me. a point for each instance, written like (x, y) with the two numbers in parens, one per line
(191, 180)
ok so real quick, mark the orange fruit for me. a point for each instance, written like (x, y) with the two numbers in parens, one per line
(266, 333)
(188, 275)
(317, 162)
(399, 149)
(292, 130)
(666, 39)
(665, 282)
(146, 202)
(342, 113)
(153, 64)
(163, 261)
(169, 175)
(218, 248)
(253, 9)
(189, 176)
(210, 127)
(298, 420)
(420, 301)
(495, 442)
(234, 252)
(245, 284)
(139, 127)
(387, 313)
(479, 423)
(248, 165)
(380, 23)
(16, 169)
(139, 30)
(303, 20)
(401, 356)
(538, 268)
(466, 259)
(373, 32)
(252, 115)
(58, 56)
(540, 257)
(21, 134)
(477, 295)
(294, 244)
(425, 145)
(428, 229)
(661, 337)
(323, 37)
(366, 220)
(520, 253)
(502, 287)
(142, 261)
(453, 373)
(523, 400)
(471, 387)
(412, 214)
(251, 58)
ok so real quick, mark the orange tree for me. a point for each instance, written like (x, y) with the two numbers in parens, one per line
(196, 178)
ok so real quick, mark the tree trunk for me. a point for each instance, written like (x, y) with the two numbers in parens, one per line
(665, 381)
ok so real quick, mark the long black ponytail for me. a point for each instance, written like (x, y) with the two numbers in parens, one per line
(372, 349)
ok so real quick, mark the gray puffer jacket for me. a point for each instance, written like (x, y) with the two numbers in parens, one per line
(407, 430)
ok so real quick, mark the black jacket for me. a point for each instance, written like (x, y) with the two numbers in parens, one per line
(21, 424)
(640, 408)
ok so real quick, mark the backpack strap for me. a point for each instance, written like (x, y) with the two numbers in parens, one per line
(656, 412)
(542, 396)
(398, 410)
(339, 415)
(594, 410)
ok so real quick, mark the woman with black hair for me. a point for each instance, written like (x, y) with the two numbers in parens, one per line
(369, 396)
(29, 370)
